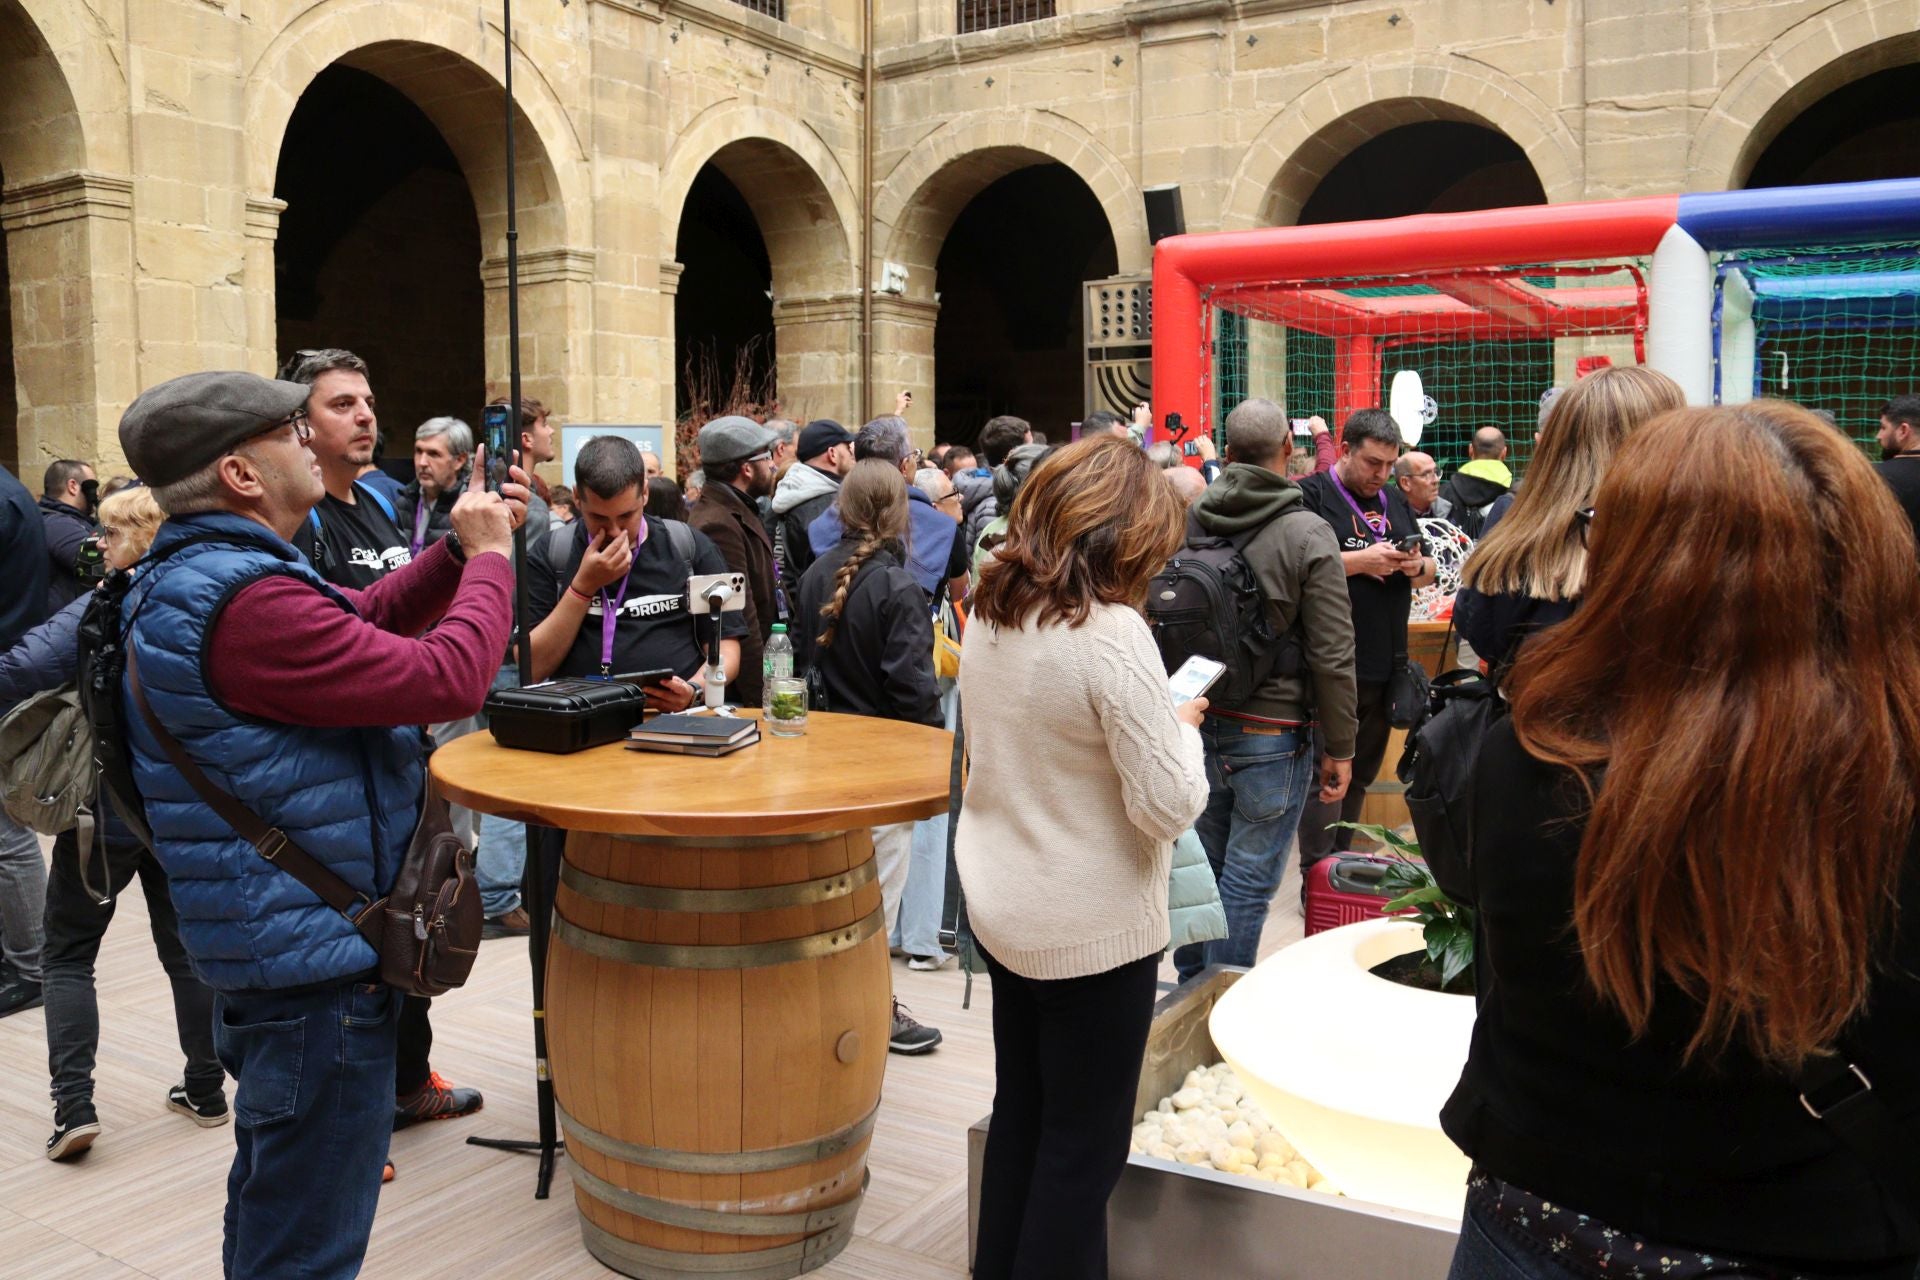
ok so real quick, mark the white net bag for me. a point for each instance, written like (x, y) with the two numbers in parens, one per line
(1449, 548)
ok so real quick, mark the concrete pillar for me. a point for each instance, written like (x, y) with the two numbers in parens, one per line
(903, 360)
(816, 343)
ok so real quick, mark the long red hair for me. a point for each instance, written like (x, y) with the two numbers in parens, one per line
(1745, 667)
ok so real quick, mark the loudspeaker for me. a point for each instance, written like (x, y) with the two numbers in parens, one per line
(1165, 216)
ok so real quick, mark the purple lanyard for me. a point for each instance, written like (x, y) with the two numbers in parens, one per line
(609, 621)
(1385, 517)
(420, 526)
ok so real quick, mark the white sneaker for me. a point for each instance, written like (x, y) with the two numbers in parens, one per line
(927, 964)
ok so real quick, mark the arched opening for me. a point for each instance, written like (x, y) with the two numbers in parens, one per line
(379, 250)
(1011, 275)
(1861, 131)
(723, 312)
(1437, 166)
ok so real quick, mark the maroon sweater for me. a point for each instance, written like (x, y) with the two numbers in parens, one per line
(282, 651)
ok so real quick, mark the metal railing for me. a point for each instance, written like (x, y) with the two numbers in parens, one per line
(776, 9)
(984, 15)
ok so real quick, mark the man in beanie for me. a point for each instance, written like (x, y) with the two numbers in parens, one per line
(303, 701)
(737, 455)
(825, 455)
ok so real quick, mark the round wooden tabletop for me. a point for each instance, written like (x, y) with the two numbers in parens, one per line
(844, 772)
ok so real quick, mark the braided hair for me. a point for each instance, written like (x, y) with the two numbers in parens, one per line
(873, 507)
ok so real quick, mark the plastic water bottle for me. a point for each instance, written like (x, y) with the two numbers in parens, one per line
(776, 665)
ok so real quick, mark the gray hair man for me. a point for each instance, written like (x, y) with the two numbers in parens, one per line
(442, 449)
(1254, 749)
(937, 554)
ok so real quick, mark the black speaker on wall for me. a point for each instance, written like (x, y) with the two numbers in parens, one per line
(1165, 216)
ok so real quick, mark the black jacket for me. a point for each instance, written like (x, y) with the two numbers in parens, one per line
(23, 550)
(67, 531)
(440, 518)
(881, 660)
(1496, 625)
(1473, 495)
(1557, 1097)
(803, 493)
(731, 522)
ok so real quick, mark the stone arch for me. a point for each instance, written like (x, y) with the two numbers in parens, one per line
(41, 134)
(1799, 67)
(929, 187)
(1316, 131)
(800, 196)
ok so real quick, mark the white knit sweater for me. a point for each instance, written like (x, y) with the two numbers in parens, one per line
(1080, 780)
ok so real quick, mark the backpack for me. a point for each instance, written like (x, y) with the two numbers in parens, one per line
(47, 750)
(1438, 765)
(1207, 601)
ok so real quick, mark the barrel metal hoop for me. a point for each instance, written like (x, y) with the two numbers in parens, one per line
(764, 1160)
(618, 893)
(647, 1263)
(716, 1221)
(727, 842)
(748, 955)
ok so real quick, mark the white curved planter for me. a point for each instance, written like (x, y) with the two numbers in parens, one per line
(1354, 1069)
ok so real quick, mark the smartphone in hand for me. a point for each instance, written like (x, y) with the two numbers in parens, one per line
(1195, 676)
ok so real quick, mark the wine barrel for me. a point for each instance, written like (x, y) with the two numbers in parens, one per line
(718, 1010)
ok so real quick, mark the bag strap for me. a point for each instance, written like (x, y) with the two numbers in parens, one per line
(954, 922)
(1836, 1092)
(271, 843)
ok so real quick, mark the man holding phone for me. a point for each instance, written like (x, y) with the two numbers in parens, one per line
(1261, 763)
(608, 593)
(1384, 560)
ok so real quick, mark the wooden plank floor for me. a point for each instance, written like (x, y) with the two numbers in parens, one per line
(147, 1200)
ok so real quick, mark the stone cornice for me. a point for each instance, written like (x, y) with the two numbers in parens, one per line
(819, 309)
(639, 9)
(728, 18)
(543, 266)
(67, 198)
(921, 311)
(670, 273)
(263, 217)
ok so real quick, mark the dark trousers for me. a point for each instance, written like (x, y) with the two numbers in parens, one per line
(1369, 751)
(74, 926)
(313, 1113)
(411, 1067)
(1066, 1061)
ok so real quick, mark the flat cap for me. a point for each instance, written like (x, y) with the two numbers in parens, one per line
(732, 438)
(172, 430)
(819, 436)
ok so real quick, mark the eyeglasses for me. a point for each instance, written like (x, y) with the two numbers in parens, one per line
(1584, 519)
(302, 429)
(763, 456)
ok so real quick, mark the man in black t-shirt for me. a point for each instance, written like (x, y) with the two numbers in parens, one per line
(616, 559)
(1371, 520)
(1900, 453)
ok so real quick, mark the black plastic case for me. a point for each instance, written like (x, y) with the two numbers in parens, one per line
(562, 716)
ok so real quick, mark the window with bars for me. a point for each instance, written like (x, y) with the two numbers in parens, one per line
(776, 9)
(984, 15)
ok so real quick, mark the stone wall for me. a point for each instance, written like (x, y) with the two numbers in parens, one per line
(139, 145)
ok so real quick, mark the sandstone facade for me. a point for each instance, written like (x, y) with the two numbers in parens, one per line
(139, 143)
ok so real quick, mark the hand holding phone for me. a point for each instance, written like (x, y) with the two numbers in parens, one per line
(1413, 544)
(1195, 676)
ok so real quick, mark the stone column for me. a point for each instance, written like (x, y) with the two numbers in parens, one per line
(263, 231)
(556, 327)
(70, 271)
(903, 360)
(816, 343)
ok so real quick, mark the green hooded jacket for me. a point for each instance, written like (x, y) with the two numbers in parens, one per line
(1298, 564)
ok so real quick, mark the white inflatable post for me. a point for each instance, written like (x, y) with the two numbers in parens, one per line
(1738, 359)
(1680, 315)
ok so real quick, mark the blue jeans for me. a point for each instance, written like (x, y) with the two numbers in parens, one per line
(1257, 779)
(313, 1112)
(502, 858)
(922, 907)
(1486, 1252)
(23, 898)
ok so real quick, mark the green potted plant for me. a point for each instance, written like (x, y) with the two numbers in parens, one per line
(1447, 962)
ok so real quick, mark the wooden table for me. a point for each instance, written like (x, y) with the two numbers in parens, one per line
(718, 997)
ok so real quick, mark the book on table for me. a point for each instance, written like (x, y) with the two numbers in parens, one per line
(695, 730)
(695, 748)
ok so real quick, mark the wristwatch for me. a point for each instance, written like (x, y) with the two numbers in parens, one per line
(452, 543)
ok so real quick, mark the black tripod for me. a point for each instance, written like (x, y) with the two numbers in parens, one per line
(536, 885)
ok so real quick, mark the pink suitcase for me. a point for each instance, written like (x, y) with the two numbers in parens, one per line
(1344, 888)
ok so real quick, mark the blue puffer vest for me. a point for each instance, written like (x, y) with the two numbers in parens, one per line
(349, 797)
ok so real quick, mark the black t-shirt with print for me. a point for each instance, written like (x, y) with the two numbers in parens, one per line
(353, 544)
(1380, 609)
(654, 630)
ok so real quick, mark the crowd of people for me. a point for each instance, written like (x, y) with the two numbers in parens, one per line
(1703, 708)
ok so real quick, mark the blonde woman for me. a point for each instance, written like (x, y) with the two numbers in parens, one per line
(1084, 772)
(48, 658)
(1528, 571)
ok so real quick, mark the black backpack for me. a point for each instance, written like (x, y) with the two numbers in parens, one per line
(1207, 601)
(1438, 765)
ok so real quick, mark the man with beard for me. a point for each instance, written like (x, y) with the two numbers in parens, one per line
(442, 448)
(737, 455)
(352, 539)
(67, 499)
(1900, 453)
(809, 487)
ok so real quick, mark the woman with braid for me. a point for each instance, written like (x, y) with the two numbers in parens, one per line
(866, 627)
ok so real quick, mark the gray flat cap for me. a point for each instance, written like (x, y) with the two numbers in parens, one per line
(732, 438)
(172, 430)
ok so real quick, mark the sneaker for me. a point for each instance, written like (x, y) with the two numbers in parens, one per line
(508, 924)
(435, 1100)
(209, 1112)
(927, 964)
(75, 1126)
(909, 1037)
(18, 993)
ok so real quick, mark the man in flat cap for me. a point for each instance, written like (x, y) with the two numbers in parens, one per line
(737, 455)
(303, 700)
